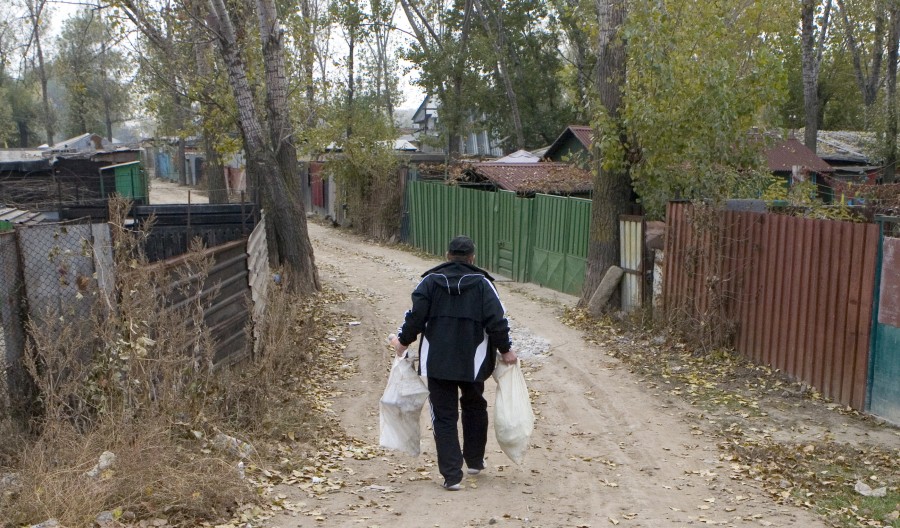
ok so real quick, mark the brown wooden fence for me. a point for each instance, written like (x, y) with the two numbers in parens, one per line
(796, 292)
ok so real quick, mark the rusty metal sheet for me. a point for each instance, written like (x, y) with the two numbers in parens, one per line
(889, 294)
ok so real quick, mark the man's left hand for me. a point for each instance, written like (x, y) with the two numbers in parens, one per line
(399, 348)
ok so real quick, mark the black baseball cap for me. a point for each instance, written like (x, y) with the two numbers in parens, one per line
(461, 245)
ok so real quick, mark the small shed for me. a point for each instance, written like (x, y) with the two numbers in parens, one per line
(573, 145)
(131, 182)
(795, 162)
(792, 159)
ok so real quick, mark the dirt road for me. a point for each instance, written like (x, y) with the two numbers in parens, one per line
(606, 450)
(164, 192)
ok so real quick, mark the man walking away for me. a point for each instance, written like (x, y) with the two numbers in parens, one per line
(459, 314)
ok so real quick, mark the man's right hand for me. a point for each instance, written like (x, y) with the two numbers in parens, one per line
(509, 357)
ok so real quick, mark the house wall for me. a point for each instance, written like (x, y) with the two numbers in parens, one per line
(569, 150)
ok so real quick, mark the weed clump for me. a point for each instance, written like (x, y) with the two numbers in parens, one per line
(130, 407)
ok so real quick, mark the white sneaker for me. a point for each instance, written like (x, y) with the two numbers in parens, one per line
(451, 487)
(474, 470)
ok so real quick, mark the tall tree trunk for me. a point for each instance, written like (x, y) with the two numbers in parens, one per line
(23, 133)
(890, 161)
(181, 158)
(867, 82)
(281, 129)
(350, 86)
(811, 60)
(213, 169)
(308, 60)
(581, 72)
(612, 186)
(501, 51)
(35, 10)
(287, 212)
(105, 96)
(383, 82)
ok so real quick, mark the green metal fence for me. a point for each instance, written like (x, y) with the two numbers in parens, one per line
(542, 240)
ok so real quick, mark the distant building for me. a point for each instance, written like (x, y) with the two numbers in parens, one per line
(849, 153)
(49, 178)
(426, 121)
(85, 143)
(572, 146)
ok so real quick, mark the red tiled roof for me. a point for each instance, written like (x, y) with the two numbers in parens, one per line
(548, 178)
(785, 154)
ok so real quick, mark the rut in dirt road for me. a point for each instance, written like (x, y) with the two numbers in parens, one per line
(606, 450)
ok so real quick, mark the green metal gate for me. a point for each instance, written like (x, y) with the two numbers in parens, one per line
(439, 212)
(884, 364)
(513, 220)
(559, 256)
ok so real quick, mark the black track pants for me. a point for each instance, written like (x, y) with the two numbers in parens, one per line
(445, 414)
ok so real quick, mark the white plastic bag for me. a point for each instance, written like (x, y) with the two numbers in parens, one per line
(513, 417)
(401, 405)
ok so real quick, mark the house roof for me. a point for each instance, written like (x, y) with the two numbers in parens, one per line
(23, 160)
(788, 153)
(584, 135)
(20, 216)
(85, 141)
(422, 112)
(527, 178)
(519, 156)
(848, 146)
(402, 144)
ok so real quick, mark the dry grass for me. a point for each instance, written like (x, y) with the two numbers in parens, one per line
(135, 378)
(155, 474)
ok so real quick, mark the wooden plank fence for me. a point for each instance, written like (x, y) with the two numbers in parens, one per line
(797, 292)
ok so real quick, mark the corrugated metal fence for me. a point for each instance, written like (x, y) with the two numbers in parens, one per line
(798, 290)
(631, 259)
(542, 239)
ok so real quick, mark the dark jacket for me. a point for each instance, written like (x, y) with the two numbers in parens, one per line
(462, 322)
